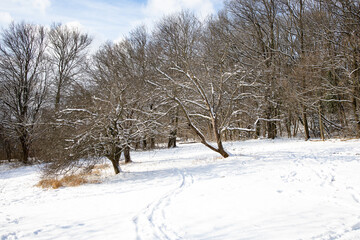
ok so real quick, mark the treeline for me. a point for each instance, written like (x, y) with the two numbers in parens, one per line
(259, 68)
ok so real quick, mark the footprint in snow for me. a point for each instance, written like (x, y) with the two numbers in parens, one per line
(356, 227)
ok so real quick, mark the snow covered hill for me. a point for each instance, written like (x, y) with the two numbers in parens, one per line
(282, 189)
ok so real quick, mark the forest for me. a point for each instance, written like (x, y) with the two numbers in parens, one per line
(256, 69)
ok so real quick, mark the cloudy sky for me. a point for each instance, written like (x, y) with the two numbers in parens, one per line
(103, 19)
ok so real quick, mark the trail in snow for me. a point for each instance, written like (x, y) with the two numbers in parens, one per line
(276, 190)
(151, 222)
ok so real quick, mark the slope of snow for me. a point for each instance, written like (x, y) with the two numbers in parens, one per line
(282, 189)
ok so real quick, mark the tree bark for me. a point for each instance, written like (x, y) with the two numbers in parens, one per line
(144, 144)
(321, 126)
(217, 136)
(356, 89)
(127, 154)
(221, 150)
(172, 139)
(116, 165)
(356, 117)
(152, 143)
(173, 131)
(114, 157)
(58, 96)
(257, 129)
(8, 151)
(25, 150)
(306, 125)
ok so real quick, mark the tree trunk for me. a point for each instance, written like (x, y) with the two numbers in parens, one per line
(257, 129)
(296, 127)
(25, 151)
(116, 165)
(173, 131)
(356, 89)
(137, 144)
(321, 126)
(356, 117)
(172, 139)
(152, 143)
(7, 148)
(144, 144)
(57, 97)
(127, 154)
(305, 123)
(271, 127)
(114, 157)
(288, 124)
(222, 150)
(217, 136)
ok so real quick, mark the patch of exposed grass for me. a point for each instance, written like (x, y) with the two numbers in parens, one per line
(73, 180)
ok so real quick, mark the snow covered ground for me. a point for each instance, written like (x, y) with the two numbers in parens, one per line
(282, 189)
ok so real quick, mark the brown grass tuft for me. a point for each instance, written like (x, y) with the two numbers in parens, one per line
(74, 180)
(67, 181)
(49, 183)
(101, 166)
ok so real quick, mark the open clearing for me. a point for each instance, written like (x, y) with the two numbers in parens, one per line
(281, 189)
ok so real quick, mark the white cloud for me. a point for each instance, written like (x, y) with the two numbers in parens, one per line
(5, 18)
(29, 5)
(42, 5)
(160, 7)
(76, 25)
(104, 20)
(156, 8)
(119, 39)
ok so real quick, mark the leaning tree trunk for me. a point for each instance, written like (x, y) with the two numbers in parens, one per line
(116, 165)
(221, 149)
(114, 157)
(218, 139)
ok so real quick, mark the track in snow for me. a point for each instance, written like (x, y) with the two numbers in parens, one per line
(151, 222)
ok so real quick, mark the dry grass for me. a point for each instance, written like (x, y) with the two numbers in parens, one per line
(73, 180)
(49, 183)
(101, 166)
(348, 139)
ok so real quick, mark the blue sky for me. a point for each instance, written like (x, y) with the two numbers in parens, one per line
(103, 19)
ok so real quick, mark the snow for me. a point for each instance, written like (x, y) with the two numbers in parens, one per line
(267, 189)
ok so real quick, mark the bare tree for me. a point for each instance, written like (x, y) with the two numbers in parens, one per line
(23, 74)
(256, 32)
(201, 80)
(68, 50)
(348, 20)
(116, 117)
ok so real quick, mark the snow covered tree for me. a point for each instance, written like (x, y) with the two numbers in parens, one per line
(198, 78)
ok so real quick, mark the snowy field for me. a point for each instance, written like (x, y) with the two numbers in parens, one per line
(282, 189)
